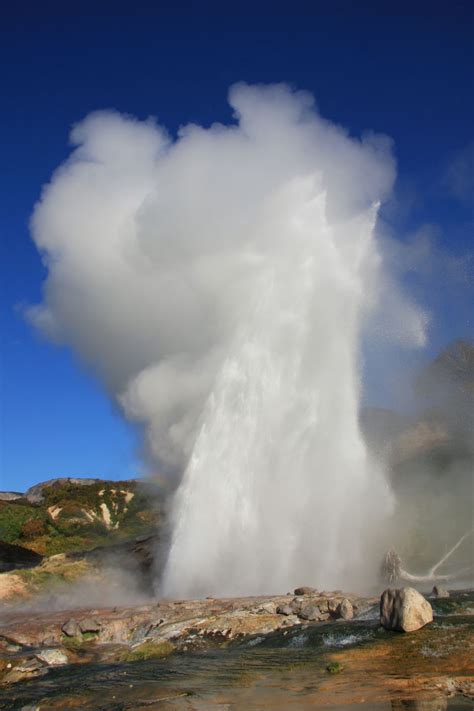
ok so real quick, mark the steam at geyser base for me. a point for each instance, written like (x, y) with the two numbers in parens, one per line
(220, 285)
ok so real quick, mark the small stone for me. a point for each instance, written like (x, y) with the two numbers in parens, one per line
(440, 592)
(71, 628)
(345, 609)
(305, 590)
(284, 610)
(404, 610)
(89, 625)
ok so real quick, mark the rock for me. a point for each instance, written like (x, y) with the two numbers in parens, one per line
(304, 590)
(269, 608)
(345, 609)
(89, 625)
(333, 606)
(71, 628)
(438, 591)
(310, 612)
(22, 669)
(53, 657)
(296, 604)
(284, 610)
(404, 610)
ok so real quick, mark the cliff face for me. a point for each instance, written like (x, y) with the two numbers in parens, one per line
(64, 515)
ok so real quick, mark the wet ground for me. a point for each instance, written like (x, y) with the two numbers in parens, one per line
(354, 665)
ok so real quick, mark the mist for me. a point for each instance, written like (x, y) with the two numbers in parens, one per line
(221, 285)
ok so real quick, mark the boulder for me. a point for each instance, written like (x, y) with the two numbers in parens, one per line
(310, 612)
(305, 590)
(404, 610)
(296, 604)
(88, 624)
(71, 628)
(345, 609)
(284, 610)
(438, 591)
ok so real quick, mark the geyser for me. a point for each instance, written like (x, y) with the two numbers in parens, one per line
(279, 486)
(219, 285)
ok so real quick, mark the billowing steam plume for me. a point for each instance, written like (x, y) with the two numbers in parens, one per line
(219, 285)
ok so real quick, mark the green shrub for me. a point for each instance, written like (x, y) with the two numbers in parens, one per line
(12, 519)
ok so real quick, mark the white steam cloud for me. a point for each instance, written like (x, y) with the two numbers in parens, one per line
(219, 284)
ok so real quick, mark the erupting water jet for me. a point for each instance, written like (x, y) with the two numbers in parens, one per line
(219, 285)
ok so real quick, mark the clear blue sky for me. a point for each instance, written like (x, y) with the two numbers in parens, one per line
(401, 68)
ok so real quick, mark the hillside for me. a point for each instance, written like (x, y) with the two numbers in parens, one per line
(64, 515)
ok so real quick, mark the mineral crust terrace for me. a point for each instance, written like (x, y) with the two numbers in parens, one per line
(113, 633)
(33, 642)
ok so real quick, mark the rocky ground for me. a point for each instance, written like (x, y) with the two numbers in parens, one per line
(438, 659)
(125, 632)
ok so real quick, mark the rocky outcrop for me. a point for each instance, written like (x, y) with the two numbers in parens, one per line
(10, 495)
(35, 494)
(404, 610)
(189, 622)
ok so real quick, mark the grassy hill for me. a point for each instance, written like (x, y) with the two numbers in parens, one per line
(67, 515)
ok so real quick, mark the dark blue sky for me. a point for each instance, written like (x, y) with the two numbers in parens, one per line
(405, 69)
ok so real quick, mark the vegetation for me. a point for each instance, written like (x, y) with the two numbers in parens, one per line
(334, 668)
(74, 517)
(149, 650)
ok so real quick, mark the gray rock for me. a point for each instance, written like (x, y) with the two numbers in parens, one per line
(284, 610)
(89, 625)
(305, 590)
(345, 609)
(404, 610)
(296, 604)
(310, 612)
(71, 628)
(438, 591)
